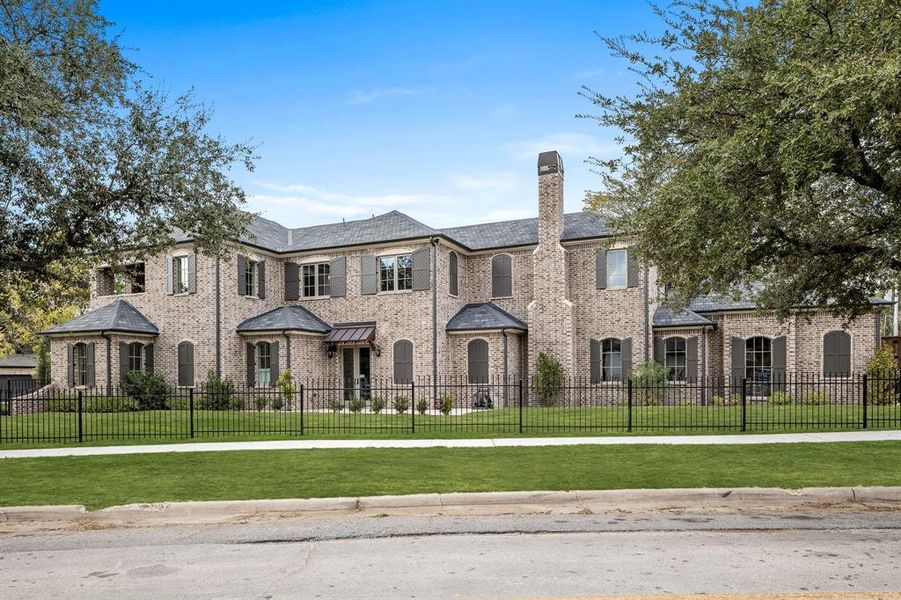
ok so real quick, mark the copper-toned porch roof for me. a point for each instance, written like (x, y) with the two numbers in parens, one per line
(351, 333)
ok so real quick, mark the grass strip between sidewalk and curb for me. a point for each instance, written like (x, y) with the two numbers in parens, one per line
(102, 481)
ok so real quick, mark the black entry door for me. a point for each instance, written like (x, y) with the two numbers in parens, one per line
(365, 385)
(347, 368)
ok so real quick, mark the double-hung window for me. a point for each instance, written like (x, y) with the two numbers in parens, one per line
(264, 365)
(395, 273)
(251, 278)
(315, 280)
(617, 271)
(135, 357)
(674, 358)
(80, 363)
(611, 360)
(180, 275)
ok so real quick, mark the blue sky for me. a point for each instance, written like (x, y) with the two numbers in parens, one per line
(438, 109)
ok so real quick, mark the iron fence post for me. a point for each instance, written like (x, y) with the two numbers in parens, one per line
(9, 395)
(413, 407)
(301, 409)
(80, 424)
(520, 405)
(629, 403)
(191, 410)
(865, 385)
(744, 404)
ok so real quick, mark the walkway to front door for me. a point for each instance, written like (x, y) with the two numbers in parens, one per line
(356, 372)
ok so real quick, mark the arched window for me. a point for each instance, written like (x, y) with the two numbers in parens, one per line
(264, 364)
(837, 354)
(80, 363)
(403, 361)
(675, 358)
(759, 359)
(452, 273)
(135, 357)
(501, 276)
(186, 364)
(477, 358)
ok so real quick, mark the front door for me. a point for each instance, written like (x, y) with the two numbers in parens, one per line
(356, 372)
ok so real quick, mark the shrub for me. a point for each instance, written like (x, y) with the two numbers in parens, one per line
(260, 401)
(238, 403)
(649, 382)
(356, 405)
(335, 405)
(816, 397)
(286, 388)
(277, 402)
(42, 356)
(216, 393)
(422, 405)
(445, 404)
(882, 375)
(401, 404)
(548, 380)
(731, 400)
(779, 398)
(95, 404)
(377, 404)
(149, 390)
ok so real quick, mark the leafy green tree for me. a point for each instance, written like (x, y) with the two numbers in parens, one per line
(763, 144)
(93, 164)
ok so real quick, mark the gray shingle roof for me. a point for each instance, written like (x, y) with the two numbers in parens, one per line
(524, 232)
(484, 315)
(666, 316)
(117, 317)
(285, 318)
(19, 361)
(390, 226)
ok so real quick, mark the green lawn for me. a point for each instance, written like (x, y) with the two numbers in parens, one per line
(100, 481)
(160, 426)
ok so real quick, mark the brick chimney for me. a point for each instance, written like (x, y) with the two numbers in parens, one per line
(550, 312)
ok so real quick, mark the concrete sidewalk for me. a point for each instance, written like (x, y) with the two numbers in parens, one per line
(775, 438)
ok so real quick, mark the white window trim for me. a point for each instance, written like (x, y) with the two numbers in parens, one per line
(256, 277)
(317, 264)
(396, 270)
(685, 368)
(607, 269)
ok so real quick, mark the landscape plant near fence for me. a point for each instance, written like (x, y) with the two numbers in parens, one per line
(451, 406)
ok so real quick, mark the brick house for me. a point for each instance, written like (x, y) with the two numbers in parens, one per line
(390, 297)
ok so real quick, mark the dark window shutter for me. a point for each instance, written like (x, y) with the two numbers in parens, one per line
(186, 364)
(123, 361)
(168, 274)
(738, 357)
(778, 349)
(501, 276)
(368, 274)
(89, 360)
(659, 350)
(421, 264)
(625, 351)
(595, 361)
(251, 365)
(403, 362)
(70, 361)
(337, 270)
(477, 351)
(242, 275)
(274, 370)
(261, 280)
(148, 358)
(452, 273)
(600, 269)
(632, 273)
(837, 354)
(192, 273)
(292, 281)
(691, 358)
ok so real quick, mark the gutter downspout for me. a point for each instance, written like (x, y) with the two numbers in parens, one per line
(109, 360)
(647, 336)
(895, 312)
(704, 364)
(434, 242)
(218, 320)
(504, 333)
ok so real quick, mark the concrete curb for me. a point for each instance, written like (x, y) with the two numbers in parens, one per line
(481, 503)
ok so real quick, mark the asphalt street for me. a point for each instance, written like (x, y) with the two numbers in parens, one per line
(528, 556)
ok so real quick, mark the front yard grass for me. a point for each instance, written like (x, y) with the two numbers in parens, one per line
(100, 481)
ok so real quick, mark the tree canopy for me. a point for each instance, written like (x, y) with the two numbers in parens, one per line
(763, 144)
(95, 165)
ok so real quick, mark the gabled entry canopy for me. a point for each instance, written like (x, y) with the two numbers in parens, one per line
(117, 317)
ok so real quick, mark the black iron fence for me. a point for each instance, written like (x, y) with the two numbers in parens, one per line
(452, 407)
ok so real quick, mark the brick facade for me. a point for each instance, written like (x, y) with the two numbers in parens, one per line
(554, 290)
